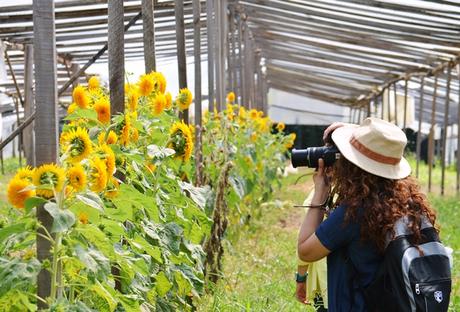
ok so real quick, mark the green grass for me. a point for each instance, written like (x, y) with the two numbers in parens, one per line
(260, 259)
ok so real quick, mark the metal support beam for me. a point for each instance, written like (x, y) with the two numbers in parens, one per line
(211, 42)
(445, 126)
(198, 113)
(419, 132)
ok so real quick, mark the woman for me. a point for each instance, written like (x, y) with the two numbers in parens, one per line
(373, 190)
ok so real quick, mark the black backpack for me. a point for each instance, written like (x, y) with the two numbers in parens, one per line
(412, 278)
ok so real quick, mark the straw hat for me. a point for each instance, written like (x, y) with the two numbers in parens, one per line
(376, 146)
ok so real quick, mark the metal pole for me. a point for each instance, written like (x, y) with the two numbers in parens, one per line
(420, 120)
(181, 56)
(197, 52)
(431, 138)
(210, 36)
(148, 25)
(444, 136)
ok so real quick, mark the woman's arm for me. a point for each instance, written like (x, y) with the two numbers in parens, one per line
(309, 248)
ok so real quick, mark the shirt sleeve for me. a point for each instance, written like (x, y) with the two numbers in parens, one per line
(334, 233)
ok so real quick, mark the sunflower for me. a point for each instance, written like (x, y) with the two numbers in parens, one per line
(98, 175)
(72, 107)
(260, 114)
(124, 138)
(106, 153)
(168, 98)
(133, 98)
(263, 124)
(231, 97)
(253, 114)
(16, 193)
(46, 177)
(181, 140)
(291, 139)
(83, 218)
(158, 104)
(24, 174)
(161, 82)
(151, 167)
(77, 177)
(102, 108)
(93, 83)
(78, 144)
(147, 84)
(280, 126)
(112, 138)
(134, 134)
(184, 99)
(80, 97)
(254, 137)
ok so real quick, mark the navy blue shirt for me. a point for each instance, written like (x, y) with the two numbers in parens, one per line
(343, 240)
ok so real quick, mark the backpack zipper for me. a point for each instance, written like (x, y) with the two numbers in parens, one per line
(417, 289)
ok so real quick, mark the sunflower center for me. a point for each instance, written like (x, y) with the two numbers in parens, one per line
(78, 146)
(48, 178)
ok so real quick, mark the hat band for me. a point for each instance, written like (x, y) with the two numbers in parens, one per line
(373, 155)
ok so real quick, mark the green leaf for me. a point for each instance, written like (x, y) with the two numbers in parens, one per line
(63, 219)
(154, 151)
(238, 185)
(10, 230)
(129, 198)
(92, 199)
(83, 113)
(94, 261)
(96, 237)
(163, 285)
(198, 194)
(32, 202)
(102, 292)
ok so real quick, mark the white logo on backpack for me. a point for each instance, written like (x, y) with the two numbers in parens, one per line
(438, 296)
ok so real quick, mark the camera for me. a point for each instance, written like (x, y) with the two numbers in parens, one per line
(309, 157)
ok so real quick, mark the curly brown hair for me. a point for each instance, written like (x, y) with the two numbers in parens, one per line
(382, 202)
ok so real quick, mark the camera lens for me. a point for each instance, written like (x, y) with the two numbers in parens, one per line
(309, 157)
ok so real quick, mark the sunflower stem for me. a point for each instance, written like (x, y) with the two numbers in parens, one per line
(54, 269)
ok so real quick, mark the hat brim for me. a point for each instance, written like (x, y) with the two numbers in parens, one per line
(342, 136)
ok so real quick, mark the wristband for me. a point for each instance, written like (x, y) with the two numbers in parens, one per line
(301, 278)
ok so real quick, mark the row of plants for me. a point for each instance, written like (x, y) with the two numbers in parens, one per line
(131, 229)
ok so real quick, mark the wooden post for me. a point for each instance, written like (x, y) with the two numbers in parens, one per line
(46, 123)
(18, 122)
(198, 113)
(241, 80)
(405, 104)
(444, 135)
(229, 46)
(233, 68)
(369, 109)
(211, 43)
(220, 8)
(420, 120)
(28, 134)
(458, 134)
(13, 75)
(75, 68)
(181, 56)
(116, 56)
(395, 88)
(382, 113)
(431, 137)
(148, 26)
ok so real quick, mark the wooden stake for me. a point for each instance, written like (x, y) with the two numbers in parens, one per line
(116, 42)
(420, 120)
(148, 25)
(46, 123)
(445, 126)
(242, 79)
(431, 138)
(181, 56)
(28, 133)
(18, 90)
(198, 113)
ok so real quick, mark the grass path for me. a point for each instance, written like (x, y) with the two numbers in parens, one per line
(260, 263)
(260, 260)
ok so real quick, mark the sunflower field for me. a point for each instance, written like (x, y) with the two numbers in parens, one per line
(132, 227)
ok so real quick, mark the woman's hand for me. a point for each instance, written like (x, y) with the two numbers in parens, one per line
(321, 181)
(301, 292)
(331, 129)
